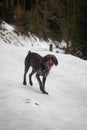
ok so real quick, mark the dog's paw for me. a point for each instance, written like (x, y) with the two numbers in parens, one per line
(24, 83)
(45, 92)
(31, 83)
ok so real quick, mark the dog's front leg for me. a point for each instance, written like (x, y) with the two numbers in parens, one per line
(43, 86)
(39, 81)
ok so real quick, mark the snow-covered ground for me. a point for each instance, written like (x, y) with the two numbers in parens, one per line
(26, 108)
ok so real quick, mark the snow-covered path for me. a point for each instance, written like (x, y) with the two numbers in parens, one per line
(26, 108)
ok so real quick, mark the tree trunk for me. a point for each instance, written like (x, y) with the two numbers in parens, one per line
(7, 3)
(51, 47)
(23, 5)
(18, 2)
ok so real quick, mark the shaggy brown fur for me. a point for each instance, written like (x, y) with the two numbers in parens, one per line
(41, 66)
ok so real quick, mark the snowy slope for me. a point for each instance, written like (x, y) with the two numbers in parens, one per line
(26, 108)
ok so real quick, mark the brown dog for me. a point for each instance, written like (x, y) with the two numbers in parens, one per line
(41, 66)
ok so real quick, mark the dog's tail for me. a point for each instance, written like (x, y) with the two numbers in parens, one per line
(29, 52)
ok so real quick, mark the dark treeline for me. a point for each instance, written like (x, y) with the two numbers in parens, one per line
(56, 19)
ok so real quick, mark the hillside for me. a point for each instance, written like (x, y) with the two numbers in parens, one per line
(26, 108)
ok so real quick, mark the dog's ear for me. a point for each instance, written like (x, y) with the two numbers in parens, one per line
(54, 59)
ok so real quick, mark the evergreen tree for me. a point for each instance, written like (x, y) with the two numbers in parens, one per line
(79, 29)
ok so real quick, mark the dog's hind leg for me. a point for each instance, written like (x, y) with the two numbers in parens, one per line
(30, 77)
(25, 72)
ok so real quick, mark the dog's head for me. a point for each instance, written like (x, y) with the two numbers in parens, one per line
(50, 60)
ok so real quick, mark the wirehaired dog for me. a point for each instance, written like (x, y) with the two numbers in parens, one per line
(41, 66)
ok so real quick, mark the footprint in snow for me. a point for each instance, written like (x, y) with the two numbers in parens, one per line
(37, 104)
(29, 101)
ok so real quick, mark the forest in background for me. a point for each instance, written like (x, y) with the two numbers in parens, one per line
(55, 19)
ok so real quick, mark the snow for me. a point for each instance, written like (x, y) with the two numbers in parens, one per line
(7, 27)
(25, 107)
